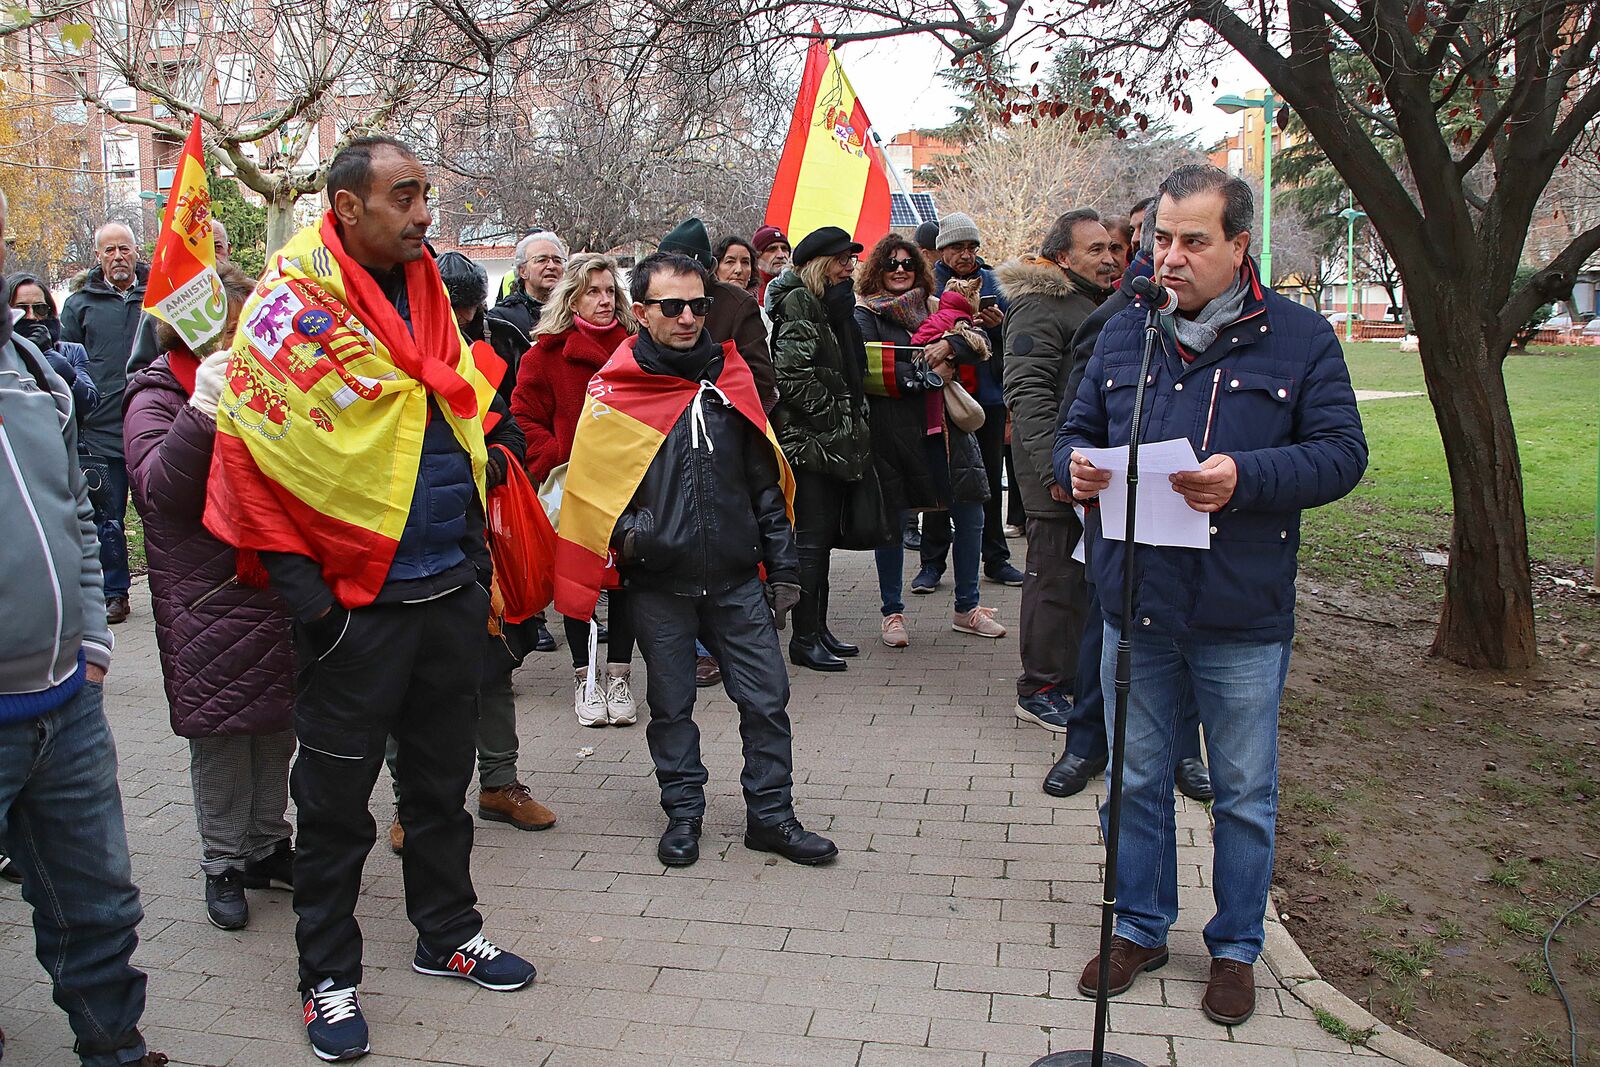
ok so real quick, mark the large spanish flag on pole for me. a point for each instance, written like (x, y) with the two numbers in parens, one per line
(832, 172)
(184, 290)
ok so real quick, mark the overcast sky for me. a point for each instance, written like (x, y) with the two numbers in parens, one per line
(898, 83)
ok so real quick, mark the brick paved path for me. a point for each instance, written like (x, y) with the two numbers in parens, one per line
(951, 930)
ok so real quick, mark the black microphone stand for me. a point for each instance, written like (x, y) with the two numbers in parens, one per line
(1098, 1056)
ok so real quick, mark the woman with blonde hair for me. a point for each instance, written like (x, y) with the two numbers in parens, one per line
(821, 420)
(587, 316)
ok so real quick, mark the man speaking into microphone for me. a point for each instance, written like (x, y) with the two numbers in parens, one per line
(1259, 386)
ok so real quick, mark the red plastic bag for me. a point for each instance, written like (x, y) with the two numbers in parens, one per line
(522, 543)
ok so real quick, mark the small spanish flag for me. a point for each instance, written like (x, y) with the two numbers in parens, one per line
(184, 290)
(832, 172)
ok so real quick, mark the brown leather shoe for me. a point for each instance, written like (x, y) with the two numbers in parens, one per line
(1128, 961)
(397, 837)
(514, 805)
(706, 671)
(116, 609)
(1231, 992)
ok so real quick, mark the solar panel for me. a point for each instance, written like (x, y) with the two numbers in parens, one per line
(912, 211)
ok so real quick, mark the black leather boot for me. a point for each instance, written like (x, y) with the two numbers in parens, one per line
(680, 845)
(807, 650)
(843, 649)
(791, 841)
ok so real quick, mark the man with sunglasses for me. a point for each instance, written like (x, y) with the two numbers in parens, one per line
(103, 316)
(691, 531)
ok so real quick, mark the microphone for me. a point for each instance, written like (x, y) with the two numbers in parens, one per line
(1163, 301)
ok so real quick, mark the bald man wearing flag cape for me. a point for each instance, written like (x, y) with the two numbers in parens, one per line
(676, 474)
(350, 456)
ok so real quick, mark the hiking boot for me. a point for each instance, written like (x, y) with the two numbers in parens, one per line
(274, 872)
(589, 702)
(479, 960)
(979, 622)
(397, 837)
(225, 904)
(334, 1024)
(116, 609)
(621, 709)
(791, 841)
(1230, 993)
(1128, 961)
(894, 631)
(515, 805)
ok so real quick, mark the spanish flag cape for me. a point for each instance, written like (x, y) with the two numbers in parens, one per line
(320, 424)
(626, 417)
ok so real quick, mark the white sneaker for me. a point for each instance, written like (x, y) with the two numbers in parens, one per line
(590, 705)
(620, 707)
(979, 622)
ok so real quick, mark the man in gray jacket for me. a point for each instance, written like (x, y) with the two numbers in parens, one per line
(103, 316)
(60, 810)
(1050, 295)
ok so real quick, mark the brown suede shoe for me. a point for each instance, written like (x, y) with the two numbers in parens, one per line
(1128, 960)
(1231, 993)
(397, 837)
(514, 805)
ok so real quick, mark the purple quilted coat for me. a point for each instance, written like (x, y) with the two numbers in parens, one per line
(226, 652)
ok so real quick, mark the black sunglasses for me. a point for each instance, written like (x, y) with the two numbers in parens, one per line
(38, 311)
(673, 306)
(902, 264)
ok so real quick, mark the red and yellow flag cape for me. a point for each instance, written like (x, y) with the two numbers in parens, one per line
(626, 417)
(832, 172)
(319, 429)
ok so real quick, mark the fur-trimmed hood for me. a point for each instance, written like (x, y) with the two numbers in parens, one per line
(1036, 276)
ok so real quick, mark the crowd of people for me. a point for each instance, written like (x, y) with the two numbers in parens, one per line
(708, 428)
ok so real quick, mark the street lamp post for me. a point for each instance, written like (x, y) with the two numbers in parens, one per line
(1350, 214)
(1268, 105)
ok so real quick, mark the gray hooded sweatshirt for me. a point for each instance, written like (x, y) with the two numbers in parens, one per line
(50, 583)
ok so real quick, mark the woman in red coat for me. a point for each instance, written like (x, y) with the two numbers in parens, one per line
(586, 317)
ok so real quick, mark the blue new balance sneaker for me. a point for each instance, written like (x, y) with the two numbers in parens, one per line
(480, 961)
(1044, 709)
(334, 1023)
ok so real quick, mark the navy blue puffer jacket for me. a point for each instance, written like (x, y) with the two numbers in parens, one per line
(1274, 393)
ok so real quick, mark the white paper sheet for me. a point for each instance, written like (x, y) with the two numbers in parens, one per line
(1164, 517)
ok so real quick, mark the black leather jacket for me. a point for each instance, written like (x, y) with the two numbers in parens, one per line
(704, 517)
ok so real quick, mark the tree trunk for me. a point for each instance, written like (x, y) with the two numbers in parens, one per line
(1487, 620)
(280, 221)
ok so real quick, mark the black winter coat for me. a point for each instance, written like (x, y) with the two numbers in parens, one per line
(105, 320)
(509, 325)
(821, 415)
(704, 518)
(918, 472)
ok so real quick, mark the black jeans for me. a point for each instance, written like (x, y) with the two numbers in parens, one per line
(619, 632)
(936, 524)
(818, 503)
(411, 671)
(1054, 602)
(737, 626)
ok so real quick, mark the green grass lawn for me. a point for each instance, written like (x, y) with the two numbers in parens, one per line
(1403, 502)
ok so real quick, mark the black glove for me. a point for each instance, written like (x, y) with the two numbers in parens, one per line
(781, 598)
(641, 524)
(495, 475)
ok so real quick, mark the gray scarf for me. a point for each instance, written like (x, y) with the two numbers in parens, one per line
(1200, 333)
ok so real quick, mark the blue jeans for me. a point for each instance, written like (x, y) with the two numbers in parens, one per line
(61, 824)
(1236, 689)
(1086, 726)
(108, 494)
(966, 546)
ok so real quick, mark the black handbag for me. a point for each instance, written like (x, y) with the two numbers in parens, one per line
(864, 519)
